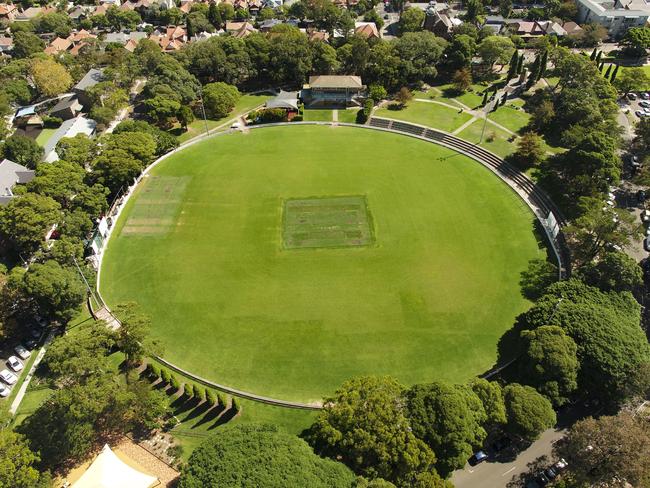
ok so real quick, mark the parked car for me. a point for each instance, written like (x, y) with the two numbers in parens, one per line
(640, 196)
(478, 458)
(550, 473)
(642, 113)
(542, 479)
(645, 95)
(560, 466)
(645, 216)
(14, 363)
(631, 96)
(22, 352)
(4, 390)
(35, 333)
(8, 377)
(644, 103)
(646, 243)
(31, 344)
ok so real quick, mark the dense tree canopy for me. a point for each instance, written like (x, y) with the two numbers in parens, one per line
(365, 425)
(260, 455)
(25, 221)
(528, 412)
(22, 150)
(613, 271)
(17, 469)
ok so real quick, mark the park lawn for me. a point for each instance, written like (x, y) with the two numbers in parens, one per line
(511, 118)
(200, 248)
(472, 98)
(245, 104)
(429, 114)
(317, 115)
(44, 136)
(349, 116)
(499, 143)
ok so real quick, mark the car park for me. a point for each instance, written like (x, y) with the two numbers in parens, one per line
(8, 377)
(14, 363)
(4, 390)
(22, 352)
(478, 458)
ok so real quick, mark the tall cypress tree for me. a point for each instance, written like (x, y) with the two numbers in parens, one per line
(593, 54)
(214, 16)
(543, 64)
(598, 56)
(520, 64)
(485, 98)
(534, 72)
(512, 69)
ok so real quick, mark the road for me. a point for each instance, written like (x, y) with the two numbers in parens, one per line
(498, 474)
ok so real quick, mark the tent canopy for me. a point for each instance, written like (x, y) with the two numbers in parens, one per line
(109, 471)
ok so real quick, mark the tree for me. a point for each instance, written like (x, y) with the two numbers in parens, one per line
(79, 149)
(22, 150)
(459, 51)
(164, 141)
(365, 426)
(449, 418)
(185, 116)
(608, 451)
(219, 99)
(597, 229)
(289, 54)
(636, 41)
(58, 292)
(417, 54)
(462, 80)
(26, 44)
(199, 22)
(162, 110)
(50, 77)
(539, 275)
(75, 359)
(260, 455)
(491, 396)
(18, 470)
(632, 79)
(530, 150)
(377, 93)
(614, 74)
(214, 16)
(140, 145)
(512, 66)
(115, 169)
(411, 20)
(132, 337)
(404, 96)
(26, 219)
(496, 49)
(324, 58)
(550, 363)
(604, 326)
(211, 398)
(60, 180)
(614, 271)
(55, 22)
(528, 412)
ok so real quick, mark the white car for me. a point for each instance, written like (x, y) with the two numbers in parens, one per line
(14, 363)
(21, 352)
(4, 390)
(8, 377)
(645, 216)
(644, 103)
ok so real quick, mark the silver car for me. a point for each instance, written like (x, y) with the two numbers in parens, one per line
(5, 391)
(21, 352)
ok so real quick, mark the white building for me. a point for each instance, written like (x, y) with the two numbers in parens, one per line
(617, 16)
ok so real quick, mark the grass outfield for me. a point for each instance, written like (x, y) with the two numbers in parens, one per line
(427, 300)
(429, 114)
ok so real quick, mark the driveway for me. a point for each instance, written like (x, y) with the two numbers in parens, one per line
(494, 474)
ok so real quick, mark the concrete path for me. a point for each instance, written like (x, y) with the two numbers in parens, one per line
(23, 387)
(465, 125)
(498, 475)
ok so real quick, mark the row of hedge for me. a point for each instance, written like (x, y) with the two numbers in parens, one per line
(191, 390)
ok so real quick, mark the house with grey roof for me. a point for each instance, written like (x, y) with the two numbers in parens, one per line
(69, 128)
(66, 108)
(89, 80)
(12, 174)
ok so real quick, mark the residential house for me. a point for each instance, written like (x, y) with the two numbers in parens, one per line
(69, 128)
(99, 10)
(8, 12)
(171, 39)
(617, 16)
(66, 108)
(333, 91)
(72, 44)
(110, 3)
(366, 29)
(240, 29)
(123, 38)
(571, 28)
(272, 4)
(439, 18)
(495, 23)
(32, 12)
(58, 45)
(90, 79)
(23, 114)
(269, 24)
(6, 44)
(315, 35)
(12, 174)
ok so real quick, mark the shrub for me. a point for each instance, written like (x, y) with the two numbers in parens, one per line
(297, 118)
(199, 392)
(175, 383)
(221, 399)
(236, 407)
(271, 115)
(154, 370)
(211, 398)
(188, 390)
(51, 122)
(377, 93)
(165, 375)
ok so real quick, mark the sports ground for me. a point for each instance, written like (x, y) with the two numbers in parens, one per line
(286, 260)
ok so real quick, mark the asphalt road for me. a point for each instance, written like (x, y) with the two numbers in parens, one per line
(494, 474)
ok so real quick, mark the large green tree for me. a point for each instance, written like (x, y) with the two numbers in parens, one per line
(615, 271)
(22, 150)
(636, 41)
(26, 219)
(260, 455)
(528, 412)
(18, 467)
(549, 363)
(219, 99)
(365, 425)
(449, 418)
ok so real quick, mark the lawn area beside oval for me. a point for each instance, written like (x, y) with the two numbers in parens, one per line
(199, 246)
(429, 114)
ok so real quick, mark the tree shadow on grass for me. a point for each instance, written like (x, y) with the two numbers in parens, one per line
(224, 418)
(199, 409)
(209, 416)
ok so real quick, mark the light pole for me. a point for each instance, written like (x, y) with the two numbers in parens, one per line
(205, 120)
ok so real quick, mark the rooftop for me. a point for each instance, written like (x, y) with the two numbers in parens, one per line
(334, 81)
(11, 174)
(91, 78)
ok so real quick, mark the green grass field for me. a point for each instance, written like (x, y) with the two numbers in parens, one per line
(349, 115)
(511, 118)
(429, 114)
(494, 138)
(428, 300)
(317, 115)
